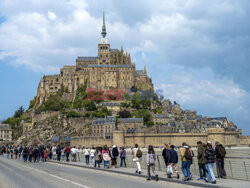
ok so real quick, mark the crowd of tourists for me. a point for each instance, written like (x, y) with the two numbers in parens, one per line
(95, 156)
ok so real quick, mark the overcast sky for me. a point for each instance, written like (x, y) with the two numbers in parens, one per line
(196, 51)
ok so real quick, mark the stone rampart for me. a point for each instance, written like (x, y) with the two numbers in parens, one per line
(159, 139)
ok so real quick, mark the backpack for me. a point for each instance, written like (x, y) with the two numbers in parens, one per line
(222, 151)
(139, 153)
(188, 155)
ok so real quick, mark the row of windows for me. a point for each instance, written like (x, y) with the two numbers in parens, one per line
(4, 136)
(4, 131)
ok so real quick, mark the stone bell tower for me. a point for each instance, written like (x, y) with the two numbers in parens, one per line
(104, 46)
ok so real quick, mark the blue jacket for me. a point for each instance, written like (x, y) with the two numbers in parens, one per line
(172, 156)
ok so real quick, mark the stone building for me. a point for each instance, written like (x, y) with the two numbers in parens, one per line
(5, 132)
(111, 69)
(104, 127)
(160, 118)
(114, 107)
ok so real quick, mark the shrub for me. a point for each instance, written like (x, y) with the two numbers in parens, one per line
(32, 103)
(72, 114)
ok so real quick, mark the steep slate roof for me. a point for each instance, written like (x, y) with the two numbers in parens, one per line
(160, 116)
(5, 126)
(113, 50)
(111, 119)
(139, 71)
(218, 118)
(130, 120)
(110, 104)
(110, 66)
(86, 58)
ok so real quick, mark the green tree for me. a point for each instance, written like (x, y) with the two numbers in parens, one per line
(19, 112)
(124, 114)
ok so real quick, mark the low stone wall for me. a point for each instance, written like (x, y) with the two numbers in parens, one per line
(244, 140)
(89, 141)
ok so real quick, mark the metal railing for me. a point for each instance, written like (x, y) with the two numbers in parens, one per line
(236, 168)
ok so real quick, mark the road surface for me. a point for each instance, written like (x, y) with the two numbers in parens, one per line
(16, 173)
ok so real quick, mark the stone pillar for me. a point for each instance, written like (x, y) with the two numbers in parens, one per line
(118, 138)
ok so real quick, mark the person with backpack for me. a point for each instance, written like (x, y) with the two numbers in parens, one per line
(165, 154)
(123, 157)
(186, 157)
(106, 156)
(137, 155)
(172, 162)
(210, 160)
(151, 160)
(58, 152)
(201, 159)
(220, 153)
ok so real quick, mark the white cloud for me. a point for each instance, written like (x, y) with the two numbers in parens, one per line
(51, 15)
(195, 89)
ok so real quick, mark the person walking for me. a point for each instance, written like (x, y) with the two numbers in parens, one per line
(165, 154)
(86, 153)
(30, 154)
(123, 157)
(25, 154)
(173, 161)
(220, 153)
(106, 156)
(98, 157)
(58, 152)
(63, 153)
(67, 152)
(92, 155)
(186, 157)
(151, 160)
(16, 152)
(210, 160)
(114, 156)
(137, 155)
(54, 152)
(74, 152)
(201, 159)
(45, 154)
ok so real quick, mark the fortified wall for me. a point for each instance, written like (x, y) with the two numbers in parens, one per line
(120, 138)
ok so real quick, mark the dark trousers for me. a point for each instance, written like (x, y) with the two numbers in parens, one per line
(123, 159)
(152, 166)
(87, 159)
(25, 156)
(58, 157)
(166, 162)
(67, 156)
(98, 163)
(202, 170)
(220, 168)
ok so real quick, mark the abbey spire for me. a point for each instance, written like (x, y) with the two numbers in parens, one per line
(104, 39)
(103, 26)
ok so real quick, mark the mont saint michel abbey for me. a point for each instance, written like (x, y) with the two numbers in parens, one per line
(110, 69)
